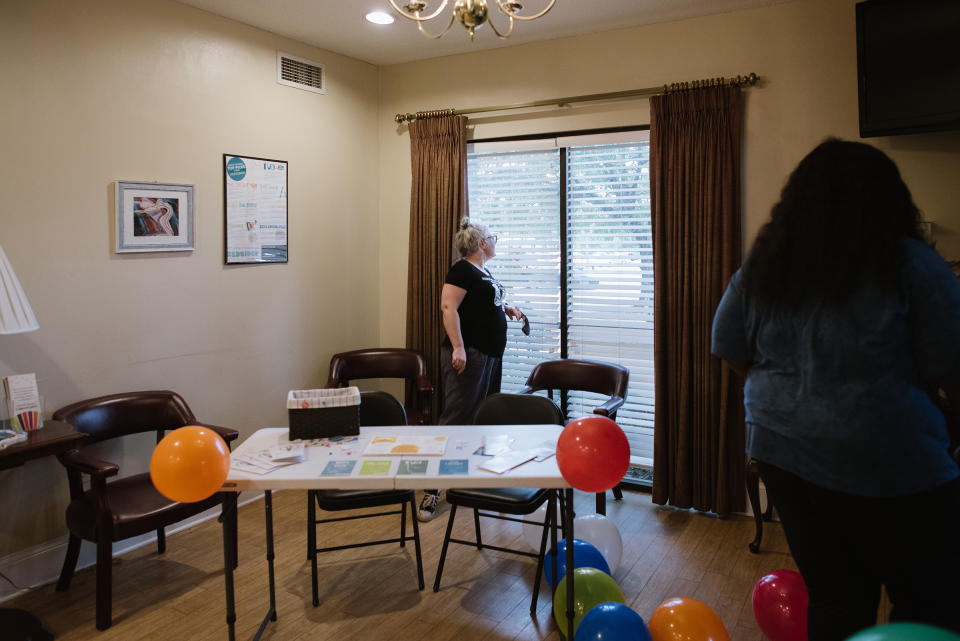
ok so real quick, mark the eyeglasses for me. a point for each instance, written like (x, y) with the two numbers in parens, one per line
(492, 237)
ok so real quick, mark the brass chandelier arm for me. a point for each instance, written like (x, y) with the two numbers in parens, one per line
(501, 4)
(497, 31)
(437, 36)
(417, 17)
(748, 80)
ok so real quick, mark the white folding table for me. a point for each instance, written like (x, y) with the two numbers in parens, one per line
(462, 442)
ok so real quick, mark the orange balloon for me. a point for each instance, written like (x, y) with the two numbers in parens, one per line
(190, 464)
(683, 619)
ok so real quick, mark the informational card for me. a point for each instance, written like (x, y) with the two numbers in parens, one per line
(338, 468)
(375, 468)
(454, 466)
(412, 467)
(393, 445)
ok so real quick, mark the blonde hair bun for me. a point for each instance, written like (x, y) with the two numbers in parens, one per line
(468, 237)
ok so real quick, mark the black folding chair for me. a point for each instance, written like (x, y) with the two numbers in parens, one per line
(506, 409)
(376, 408)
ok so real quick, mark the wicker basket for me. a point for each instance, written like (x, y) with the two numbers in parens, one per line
(319, 413)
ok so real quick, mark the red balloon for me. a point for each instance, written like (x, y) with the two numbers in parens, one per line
(780, 606)
(593, 454)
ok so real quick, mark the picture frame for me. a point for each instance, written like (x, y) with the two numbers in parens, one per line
(255, 210)
(154, 217)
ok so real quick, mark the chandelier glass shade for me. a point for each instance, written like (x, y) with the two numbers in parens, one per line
(472, 14)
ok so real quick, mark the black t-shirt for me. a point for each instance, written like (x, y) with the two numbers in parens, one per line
(483, 323)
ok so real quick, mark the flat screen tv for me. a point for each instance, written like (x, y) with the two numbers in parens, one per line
(908, 66)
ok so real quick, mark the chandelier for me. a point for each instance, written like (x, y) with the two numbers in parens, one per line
(472, 14)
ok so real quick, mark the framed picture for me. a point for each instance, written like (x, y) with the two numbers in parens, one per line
(154, 217)
(255, 210)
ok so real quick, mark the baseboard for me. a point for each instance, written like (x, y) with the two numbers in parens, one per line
(40, 564)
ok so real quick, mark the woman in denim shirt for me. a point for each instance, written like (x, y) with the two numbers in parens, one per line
(845, 325)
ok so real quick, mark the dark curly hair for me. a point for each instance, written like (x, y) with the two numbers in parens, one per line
(840, 224)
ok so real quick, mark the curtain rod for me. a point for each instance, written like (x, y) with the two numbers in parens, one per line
(740, 81)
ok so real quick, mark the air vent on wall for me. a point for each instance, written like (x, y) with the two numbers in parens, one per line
(301, 73)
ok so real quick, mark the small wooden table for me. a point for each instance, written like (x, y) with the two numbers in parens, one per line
(55, 437)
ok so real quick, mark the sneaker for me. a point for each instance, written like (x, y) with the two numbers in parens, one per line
(429, 506)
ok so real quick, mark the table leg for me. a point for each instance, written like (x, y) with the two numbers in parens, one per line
(568, 531)
(553, 543)
(312, 545)
(228, 515)
(268, 509)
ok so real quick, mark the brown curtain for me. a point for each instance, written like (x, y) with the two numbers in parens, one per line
(438, 200)
(695, 193)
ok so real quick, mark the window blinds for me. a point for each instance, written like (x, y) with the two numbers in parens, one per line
(576, 215)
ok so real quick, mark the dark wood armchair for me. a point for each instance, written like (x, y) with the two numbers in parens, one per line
(118, 509)
(388, 362)
(567, 374)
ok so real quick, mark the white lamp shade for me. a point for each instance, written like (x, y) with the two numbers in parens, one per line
(15, 313)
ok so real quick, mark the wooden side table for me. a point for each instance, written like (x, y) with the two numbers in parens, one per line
(55, 437)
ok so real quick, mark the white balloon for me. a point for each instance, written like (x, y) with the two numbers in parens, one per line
(533, 533)
(601, 533)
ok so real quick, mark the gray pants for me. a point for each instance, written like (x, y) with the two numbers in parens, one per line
(463, 392)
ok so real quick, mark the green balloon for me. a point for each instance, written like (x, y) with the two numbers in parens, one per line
(902, 632)
(590, 587)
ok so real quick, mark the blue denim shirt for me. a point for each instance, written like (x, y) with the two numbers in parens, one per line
(843, 398)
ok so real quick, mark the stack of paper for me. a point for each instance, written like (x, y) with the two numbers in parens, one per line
(507, 461)
(11, 437)
(510, 459)
(266, 461)
(494, 445)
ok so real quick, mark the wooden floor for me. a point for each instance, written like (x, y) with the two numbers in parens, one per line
(371, 593)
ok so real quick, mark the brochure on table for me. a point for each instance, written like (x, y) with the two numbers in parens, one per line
(22, 397)
(394, 445)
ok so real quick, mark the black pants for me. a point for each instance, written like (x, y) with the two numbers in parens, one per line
(847, 546)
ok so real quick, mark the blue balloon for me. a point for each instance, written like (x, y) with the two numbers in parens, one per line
(612, 622)
(585, 555)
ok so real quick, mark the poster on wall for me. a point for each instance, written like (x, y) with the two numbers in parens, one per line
(255, 210)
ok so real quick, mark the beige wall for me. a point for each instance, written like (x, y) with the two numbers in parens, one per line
(102, 90)
(805, 52)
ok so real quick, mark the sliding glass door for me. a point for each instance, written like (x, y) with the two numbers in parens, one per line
(575, 253)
